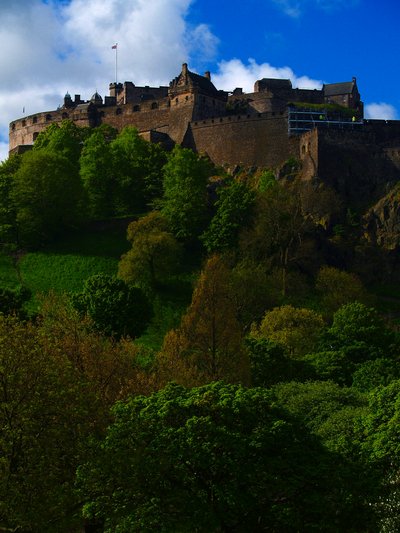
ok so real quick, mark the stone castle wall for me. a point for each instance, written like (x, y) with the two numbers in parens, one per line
(261, 140)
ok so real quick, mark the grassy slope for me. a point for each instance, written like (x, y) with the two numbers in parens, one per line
(65, 265)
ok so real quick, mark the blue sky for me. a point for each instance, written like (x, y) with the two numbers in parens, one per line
(50, 47)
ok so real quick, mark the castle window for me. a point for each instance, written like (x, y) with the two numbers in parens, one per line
(34, 120)
(24, 123)
(136, 108)
(118, 111)
(303, 149)
(64, 116)
(48, 117)
(13, 127)
(186, 98)
(35, 136)
(176, 100)
(154, 105)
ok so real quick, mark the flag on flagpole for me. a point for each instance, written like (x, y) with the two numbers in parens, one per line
(114, 46)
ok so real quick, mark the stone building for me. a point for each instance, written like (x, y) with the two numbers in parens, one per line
(263, 128)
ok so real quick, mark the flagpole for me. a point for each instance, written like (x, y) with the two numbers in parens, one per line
(116, 63)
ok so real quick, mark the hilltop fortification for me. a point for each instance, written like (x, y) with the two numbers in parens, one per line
(323, 127)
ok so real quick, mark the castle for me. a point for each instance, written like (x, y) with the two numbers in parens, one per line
(324, 128)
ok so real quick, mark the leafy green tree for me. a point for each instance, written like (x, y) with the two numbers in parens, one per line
(96, 170)
(252, 291)
(48, 197)
(13, 300)
(337, 287)
(215, 458)
(233, 210)
(356, 337)
(185, 195)
(155, 252)
(208, 344)
(279, 234)
(361, 332)
(297, 330)
(8, 224)
(65, 139)
(381, 445)
(137, 171)
(270, 364)
(376, 373)
(115, 308)
(47, 412)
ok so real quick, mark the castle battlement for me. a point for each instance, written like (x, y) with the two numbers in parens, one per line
(262, 128)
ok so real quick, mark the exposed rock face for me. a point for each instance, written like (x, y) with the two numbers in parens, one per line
(382, 221)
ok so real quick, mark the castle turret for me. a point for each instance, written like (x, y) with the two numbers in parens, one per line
(68, 103)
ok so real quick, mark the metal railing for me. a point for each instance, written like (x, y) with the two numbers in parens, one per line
(303, 120)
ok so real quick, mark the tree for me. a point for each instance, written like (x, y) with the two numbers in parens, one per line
(252, 291)
(115, 309)
(270, 364)
(337, 287)
(233, 210)
(297, 330)
(48, 197)
(155, 252)
(137, 171)
(8, 223)
(209, 340)
(64, 139)
(113, 369)
(96, 170)
(12, 300)
(382, 436)
(361, 332)
(47, 412)
(215, 458)
(279, 233)
(184, 202)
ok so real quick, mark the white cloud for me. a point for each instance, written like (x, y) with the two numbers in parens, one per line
(51, 48)
(380, 111)
(295, 8)
(235, 73)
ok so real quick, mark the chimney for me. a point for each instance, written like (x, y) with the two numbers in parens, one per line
(184, 69)
(207, 75)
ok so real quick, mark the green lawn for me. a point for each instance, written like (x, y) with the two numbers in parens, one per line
(64, 265)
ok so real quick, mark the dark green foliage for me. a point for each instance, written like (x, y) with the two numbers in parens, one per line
(357, 324)
(47, 194)
(215, 458)
(116, 309)
(376, 373)
(154, 255)
(12, 300)
(270, 365)
(7, 209)
(64, 139)
(137, 171)
(233, 211)
(357, 335)
(185, 195)
(96, 173)
(46, 414)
